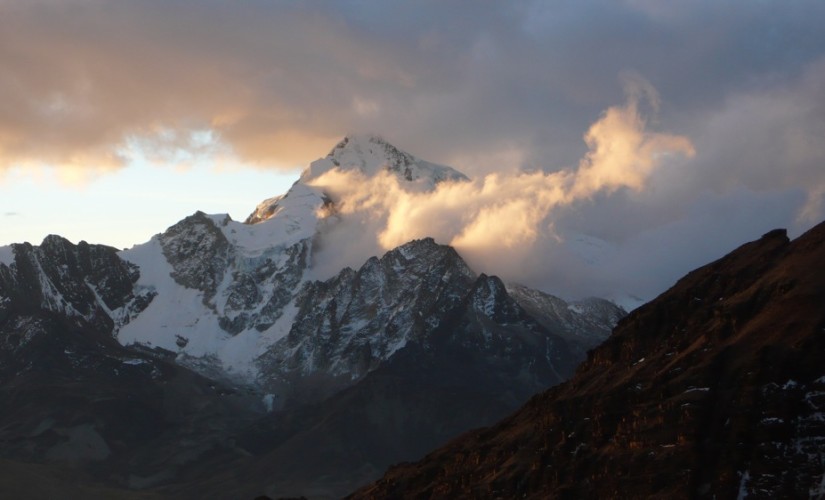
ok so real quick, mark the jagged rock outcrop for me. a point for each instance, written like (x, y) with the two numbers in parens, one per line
(88, 284)
(243, 291)
(347, 326)
(715, 389)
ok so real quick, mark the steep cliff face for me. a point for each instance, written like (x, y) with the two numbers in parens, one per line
(87, 284)
(224, 289)
(346, 326)
(714, 389)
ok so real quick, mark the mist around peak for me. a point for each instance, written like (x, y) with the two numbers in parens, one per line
(504, 224)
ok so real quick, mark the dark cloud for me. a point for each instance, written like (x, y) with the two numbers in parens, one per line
(81, 76)
(483, 85)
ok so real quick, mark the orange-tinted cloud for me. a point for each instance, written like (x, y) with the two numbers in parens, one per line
(82, 81)
(507, 214)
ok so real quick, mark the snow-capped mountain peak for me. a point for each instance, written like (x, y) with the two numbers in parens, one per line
(370, 154)
(241, 298)
(367, 154)
(227, 288)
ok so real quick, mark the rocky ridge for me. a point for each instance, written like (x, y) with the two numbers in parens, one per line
(88, 284)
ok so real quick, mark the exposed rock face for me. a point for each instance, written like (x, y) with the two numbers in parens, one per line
(716, 389)
(347, 326)
(70, 394)
(244, 291)
(198, 252)
(88, 284)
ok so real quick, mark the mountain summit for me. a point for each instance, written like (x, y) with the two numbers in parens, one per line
(368, 155)
(371, 154)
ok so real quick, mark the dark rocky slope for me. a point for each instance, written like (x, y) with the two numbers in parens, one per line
(713, 390)
(130, 417)
(72, 396)
(486, 358)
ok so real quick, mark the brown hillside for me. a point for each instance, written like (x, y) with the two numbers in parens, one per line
(714, 388)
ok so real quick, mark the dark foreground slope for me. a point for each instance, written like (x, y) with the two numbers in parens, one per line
(714, 389)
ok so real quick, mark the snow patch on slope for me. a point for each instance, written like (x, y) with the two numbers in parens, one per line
(178, 320)
(240, 352)
(175, 312)
(627, 301)
(294, 219)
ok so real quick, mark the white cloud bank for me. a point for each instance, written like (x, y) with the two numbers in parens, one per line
(501, 222)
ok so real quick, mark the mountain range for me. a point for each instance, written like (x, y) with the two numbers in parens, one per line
(214, 362)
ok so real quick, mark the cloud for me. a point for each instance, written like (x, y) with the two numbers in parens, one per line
(84, 80)
(277, 82)
(499, 220)
(768, 139)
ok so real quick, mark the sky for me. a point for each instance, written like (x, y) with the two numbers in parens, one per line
(118, 118)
